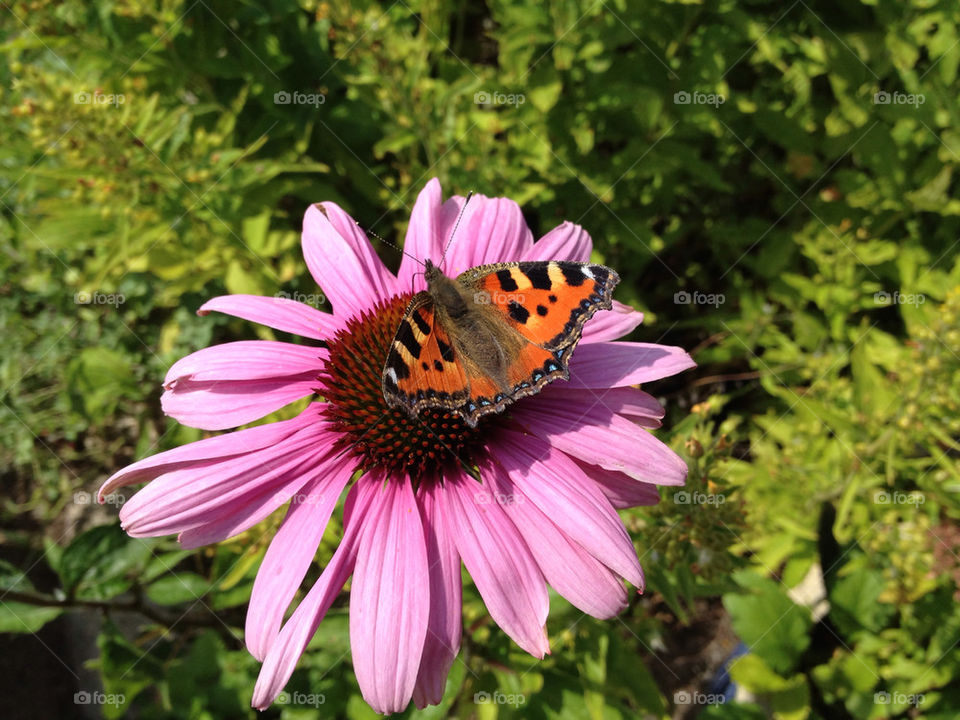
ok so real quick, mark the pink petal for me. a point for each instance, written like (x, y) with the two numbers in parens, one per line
(500, 563)
(630, 402)
(611, 324)
(362, 506)
(279, 313)
(615, 364)
(227, 385)
(343, 261)
(622, 491)
(597, 435)
(196, 454)
(446, 621)
(626, 401)
(291, 553)
(221, 405)
(390, 600)
(424, 240)
(490, 230)
(561, 491)
(246, 360)
(567, 241)
(221, 488)
(573, 572)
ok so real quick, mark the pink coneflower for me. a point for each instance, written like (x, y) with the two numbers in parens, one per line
(554, 467)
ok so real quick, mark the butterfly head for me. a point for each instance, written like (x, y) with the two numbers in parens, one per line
(431, 271)
(446, 292)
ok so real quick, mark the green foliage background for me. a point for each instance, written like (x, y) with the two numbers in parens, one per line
(821, 426)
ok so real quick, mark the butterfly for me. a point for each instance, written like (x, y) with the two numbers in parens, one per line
(496, 333)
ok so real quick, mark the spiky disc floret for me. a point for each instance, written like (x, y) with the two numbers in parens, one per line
(375, 433)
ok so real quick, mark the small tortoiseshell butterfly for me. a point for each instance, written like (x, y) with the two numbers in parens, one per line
(494, 334)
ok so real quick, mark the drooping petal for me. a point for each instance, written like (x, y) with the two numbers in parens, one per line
(291, 553)
(197, 454)
(446, 622)
(561, 491)
(622, 491)
(183, 499)
(615, 364)
(611, 324)
(490, 230)
(599, 436)
(255, 506)
(423, 240)
(279, 313)
(361, 507)
(390, 600)
(567, 241)
(573, 572)
(498, 560)
(223, 386)
(343, 261)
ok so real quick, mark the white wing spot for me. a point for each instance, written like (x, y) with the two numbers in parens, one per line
(588, 272)
(392, 374)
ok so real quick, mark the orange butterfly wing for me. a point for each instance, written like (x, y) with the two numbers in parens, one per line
(546, 302)
(422, 369)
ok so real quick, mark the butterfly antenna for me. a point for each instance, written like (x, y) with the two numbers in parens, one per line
(455, 226)
(393, 245)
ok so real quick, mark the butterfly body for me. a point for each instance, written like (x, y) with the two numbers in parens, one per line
(496, 333)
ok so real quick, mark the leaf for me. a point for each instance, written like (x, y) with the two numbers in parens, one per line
(176, 588)
(99, 564)
(18, 617)
(97, 379)
(630, 678)
(240, 280)
(855, 602)
(545, 87)
(768, 621)
(873, 393)
(126, 670)
(254, 231)
(933, 196)
(789, 698)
